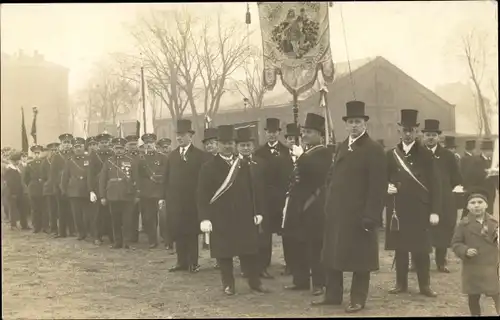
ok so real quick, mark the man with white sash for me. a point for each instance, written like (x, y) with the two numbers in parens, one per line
(230, 207)
(415, 184)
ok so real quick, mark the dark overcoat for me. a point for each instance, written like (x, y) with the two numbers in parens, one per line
(181, 185)
(357, 189)
(115, 179)
(97, 160)
(34, 178)
(465, 162)
(475, 176)
(450, 176)
(74, 178)
(276, 183)
(306, 222)
(413, 203)
(151, 168)
(48, 188)
(57, 168)
(234, 232)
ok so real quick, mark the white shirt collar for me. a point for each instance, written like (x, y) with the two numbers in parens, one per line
(468, 153)
(272, 145)
(433, 149)
(484, 157)
(230, 158)
(352, 140)
(407, 148)
(184, 149)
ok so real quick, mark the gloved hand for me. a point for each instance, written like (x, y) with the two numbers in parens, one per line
(103, 201)
(458, 189)
(93, 197)
(391, 189)
(161, 203)
(297, 151)
(206, 226)
(257, 219)
(368, 224)
(434, 219)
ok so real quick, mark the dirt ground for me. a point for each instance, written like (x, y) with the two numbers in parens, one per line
(46, 278)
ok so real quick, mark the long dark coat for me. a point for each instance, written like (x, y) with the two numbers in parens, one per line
(305, 224)
(413, 204)
(97, 160)
(232, 215)
(276, 183)
(33, 177)
(357, 189)
(181, 185)
(475, 176)
(57, 168)
(450, 176)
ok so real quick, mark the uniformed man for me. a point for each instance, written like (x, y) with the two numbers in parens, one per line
(49, 194)
(274, 152)
(15, 194)
(75, 187)
(132, 153)
(91, 145)
(33, 178)
(56, 171)
(99, 213)
(164, 147)
(117, 189)
(468, 156)
(151, 169)
(181, 183)
(304, 210)
(22, 165)
(413, 179)
(232, 212)
(450, 177)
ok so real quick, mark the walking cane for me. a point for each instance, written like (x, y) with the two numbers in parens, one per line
(261, 230)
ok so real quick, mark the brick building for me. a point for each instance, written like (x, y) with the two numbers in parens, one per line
(28, 81)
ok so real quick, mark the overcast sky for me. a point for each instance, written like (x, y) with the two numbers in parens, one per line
(415, 36)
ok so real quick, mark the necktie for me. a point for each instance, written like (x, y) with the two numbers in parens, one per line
(183, 154)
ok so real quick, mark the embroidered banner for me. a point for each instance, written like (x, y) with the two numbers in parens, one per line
(296, 44)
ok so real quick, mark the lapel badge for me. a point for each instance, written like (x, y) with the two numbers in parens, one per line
(157, 162)
(85, 163)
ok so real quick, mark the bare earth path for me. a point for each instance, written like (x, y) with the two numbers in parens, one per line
(47, 278)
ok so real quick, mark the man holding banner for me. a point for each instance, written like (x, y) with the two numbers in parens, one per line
(414, 182)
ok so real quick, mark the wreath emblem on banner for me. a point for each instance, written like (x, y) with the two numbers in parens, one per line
(295, 36)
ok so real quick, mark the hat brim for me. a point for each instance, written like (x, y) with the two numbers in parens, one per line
(436, 131)
(272, 129)
(182, 132)
(350, 117)
(209, 138)
(245, 140)
(413, 125)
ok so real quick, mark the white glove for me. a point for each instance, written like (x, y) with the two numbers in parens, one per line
(392, 189)
(297, 151)
(458, 189)
(93, 197)
(161, 203)
(206, 226)
(434, 219)
(257, 219)
(492, 172)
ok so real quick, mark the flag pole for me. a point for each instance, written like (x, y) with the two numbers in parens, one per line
(143, 99)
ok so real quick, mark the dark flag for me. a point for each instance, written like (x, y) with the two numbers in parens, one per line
(24, 135)
(33, 125)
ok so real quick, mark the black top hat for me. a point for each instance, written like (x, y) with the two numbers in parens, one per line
(36, 148)
(131, 138)
(225, 133)
(314, 121)
(449, 142)
(209, 133)
(292, 130)
(470, 145)
(77, 141)
(164, 142)
(487, 145)
(103, 136)
(66, 137)
(53, 145)
(381, 142)
(118, 142)
(15, 156)
(431, 125)
(409, 118)
(149, 137)
(355, 109)
(244, 134)
(272, 125)
(184, 126)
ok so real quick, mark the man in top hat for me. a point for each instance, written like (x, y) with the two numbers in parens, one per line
(181, 183)
(99, 213)
(14, 184)
(449, 175)
(354, 202)
(33, 178)
(304, 207)
(75, 187)
(117, 190)
(49, 189)
(275, 153)
(414, 182)
(150, 181)
(56, 170)
(468, 157)
(210, 141)
(286, 170)
(133, 154)
(231, 207)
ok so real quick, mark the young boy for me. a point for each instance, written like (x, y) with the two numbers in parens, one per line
(475, 242)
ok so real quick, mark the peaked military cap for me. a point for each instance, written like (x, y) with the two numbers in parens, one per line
(148, 137)
(78, 141)
(103, 136)
(131, 138)
(36, 148)
(164, 142)
(66, 137)
(118, 142)
(53, 145)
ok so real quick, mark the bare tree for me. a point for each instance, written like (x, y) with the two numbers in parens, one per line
(252, 87)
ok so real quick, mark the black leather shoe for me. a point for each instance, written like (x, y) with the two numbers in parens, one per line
(297, 288)
(266, 275)
(443, 269)
(194, 268)
(317, 291)
(261, 289)
(354, 307)
(325, 303)
(428, 292)
(398, 289)
(229, 291)
(178, 268)
(116, 246)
